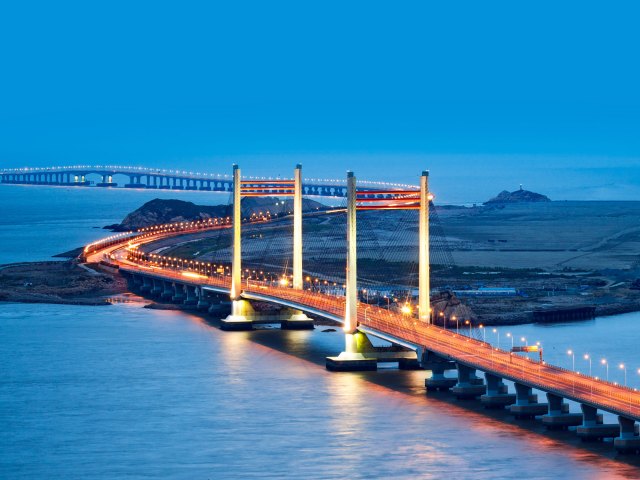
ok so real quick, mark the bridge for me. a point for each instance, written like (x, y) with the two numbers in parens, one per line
(420, 342)
(105, 176)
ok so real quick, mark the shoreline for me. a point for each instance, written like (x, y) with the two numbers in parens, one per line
(102, 287)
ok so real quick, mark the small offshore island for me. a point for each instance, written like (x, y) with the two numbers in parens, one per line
(516, 254)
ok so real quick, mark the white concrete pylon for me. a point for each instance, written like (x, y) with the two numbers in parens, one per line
(351, 308)
(297, 228)
(424, 286)
(236, 264)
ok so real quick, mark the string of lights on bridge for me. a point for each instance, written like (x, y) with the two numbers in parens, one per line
(126, 169)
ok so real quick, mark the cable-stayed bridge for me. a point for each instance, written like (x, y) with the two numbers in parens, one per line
(227, 283)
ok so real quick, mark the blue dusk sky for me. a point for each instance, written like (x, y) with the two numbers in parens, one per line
(486, 95)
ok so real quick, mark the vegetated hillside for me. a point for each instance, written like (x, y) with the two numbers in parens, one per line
(519, 196)
(160, 211)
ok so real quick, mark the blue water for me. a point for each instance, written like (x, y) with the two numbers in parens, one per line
(127, 392)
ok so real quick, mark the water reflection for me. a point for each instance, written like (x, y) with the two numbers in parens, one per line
(151, 393)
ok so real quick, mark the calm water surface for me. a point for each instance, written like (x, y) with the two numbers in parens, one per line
(127, 392)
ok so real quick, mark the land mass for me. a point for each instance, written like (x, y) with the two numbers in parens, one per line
(519, 196)
(158, 212)
(552, 255)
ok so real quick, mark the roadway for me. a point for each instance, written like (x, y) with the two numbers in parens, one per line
(407, 330)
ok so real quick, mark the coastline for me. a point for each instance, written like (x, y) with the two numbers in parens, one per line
(71, 283)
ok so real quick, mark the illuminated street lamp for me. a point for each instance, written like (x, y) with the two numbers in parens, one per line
(573, 358)
(587, 357)
(524, 340)
(497, 332)
(457, 324)
(406, 309)
(467, 322)
(604, 362)
(624, 367)
(484, 339)
(511, 337)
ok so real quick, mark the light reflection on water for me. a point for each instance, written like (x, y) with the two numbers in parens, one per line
(124, 391)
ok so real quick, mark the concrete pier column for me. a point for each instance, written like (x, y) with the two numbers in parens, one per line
(469, 385)
(167, 291)
(627, 441)
(137, 282)
(497, 395)
(203, 302)
(527, 405)
(438, 379)
(178, 293)
(558, 416)
(592, 427)
(158, 287)
(191, 298)
(147, 285)
(296, 320)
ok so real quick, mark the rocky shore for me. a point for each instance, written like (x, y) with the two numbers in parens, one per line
(58, 283)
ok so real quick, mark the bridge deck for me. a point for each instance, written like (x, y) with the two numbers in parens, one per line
(612, 398)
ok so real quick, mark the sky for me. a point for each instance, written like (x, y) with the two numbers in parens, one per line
(486, 95)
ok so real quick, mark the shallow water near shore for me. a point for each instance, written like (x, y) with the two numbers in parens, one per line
(127, 392)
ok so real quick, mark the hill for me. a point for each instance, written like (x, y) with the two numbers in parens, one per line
(159, 211)
(519, 196)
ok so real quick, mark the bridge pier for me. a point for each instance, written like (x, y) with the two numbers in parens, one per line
(167, 291)
(438, 366)
(178, 293)
(296, 320)
(147, 285)
(191, 298)
(497, 395)
(352, 359)
(137, 282)
(628, 441)
(237, 320)
(135, 181)
(158, 287)
(469, 385)
(107, 181)
(592, 427)
(527, 405)
(558, 417)
(203, 302)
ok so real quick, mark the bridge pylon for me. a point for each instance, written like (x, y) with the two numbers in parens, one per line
(353, 357)
(237, 319)
(241, 309)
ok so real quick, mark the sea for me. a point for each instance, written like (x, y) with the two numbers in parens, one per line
(121, 391)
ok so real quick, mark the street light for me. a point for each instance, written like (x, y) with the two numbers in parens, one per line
(524, 340)
(511, 337)
(587, 357)
(484, 339)
(467, 322)
(457, 324)
(497, 332)
(444, 322)
(624, 367)
(604, 362)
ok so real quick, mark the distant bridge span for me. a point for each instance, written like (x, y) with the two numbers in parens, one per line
(164, 179)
